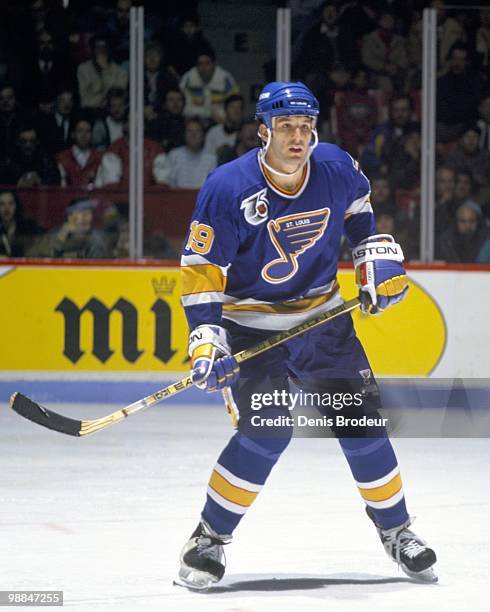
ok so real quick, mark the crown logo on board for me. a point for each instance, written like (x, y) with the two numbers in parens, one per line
(163, 285)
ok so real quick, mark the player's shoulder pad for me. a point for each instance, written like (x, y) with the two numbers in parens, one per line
(327, 152)
(234, 178)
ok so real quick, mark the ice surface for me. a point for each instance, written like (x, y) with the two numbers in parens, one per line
(103, 518)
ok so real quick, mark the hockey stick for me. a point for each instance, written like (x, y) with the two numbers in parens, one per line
(57, 422)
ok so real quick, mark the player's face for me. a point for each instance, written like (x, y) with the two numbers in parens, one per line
(291, 137)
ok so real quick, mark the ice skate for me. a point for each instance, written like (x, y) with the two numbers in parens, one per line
(408, 550)
(202, 560)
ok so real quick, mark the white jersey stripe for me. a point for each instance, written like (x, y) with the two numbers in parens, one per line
(199, 260)
(361, 205)
(206, 297)
(279, 322)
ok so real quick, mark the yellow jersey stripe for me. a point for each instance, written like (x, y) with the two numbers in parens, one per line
(232, 493)
(202, 278)
(384, 492)
(293, 307)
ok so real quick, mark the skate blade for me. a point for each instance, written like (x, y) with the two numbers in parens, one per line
(195, 581)
(427, 576)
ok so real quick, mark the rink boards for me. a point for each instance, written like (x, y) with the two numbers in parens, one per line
(68, 328)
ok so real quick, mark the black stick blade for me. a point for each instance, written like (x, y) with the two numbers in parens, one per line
(44, 417)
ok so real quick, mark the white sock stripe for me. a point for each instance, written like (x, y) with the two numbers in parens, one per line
(236, 481)
(224, 503)
(373, 484)
(386, 503)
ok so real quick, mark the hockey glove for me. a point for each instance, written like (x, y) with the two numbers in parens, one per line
(213, 367)
(380, 276)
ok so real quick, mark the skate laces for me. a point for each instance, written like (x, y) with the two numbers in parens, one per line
(402, 541)
(209, 544)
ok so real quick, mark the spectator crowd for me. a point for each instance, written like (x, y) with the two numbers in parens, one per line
(64, 113)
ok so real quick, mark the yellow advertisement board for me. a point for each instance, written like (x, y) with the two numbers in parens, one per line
(75, 319)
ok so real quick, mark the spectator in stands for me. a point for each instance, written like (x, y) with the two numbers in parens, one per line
(29, 165)
(464, 187)
(168, 127)
(450, 31)
(206, 87)
(183, 46)
(414, 53)
(327, 43)
(11, 119)
(381, 194)
(246, 141)
(110, 128)
(114, 167)
(78, 165)
(484, 254)
(98, 75)
(484, 123)
(483, 42)
(38, 16)
(121, 249)
(76, 237)
(384, 53)
(458, 93)
(226, 133)
(468, 156)
(158, 80)
(357, 114)
(404, 163)
(463, 240)
(17, 232)
(388, 135)
(188, 166)
(327, 90)
(445, 198)
(47, 72)
(116, 32)
(55, 129)
(157, 246)
(358, 17)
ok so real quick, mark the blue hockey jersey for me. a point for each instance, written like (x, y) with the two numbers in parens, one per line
(267, 258)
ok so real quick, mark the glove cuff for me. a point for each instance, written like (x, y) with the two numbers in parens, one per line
(374, 248)
(215, 335)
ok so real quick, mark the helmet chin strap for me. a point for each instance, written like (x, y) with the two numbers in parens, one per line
(264, 150)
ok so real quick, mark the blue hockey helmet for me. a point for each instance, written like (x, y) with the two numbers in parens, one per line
(279, 99)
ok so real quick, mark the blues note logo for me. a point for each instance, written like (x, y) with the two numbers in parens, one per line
(292, 235)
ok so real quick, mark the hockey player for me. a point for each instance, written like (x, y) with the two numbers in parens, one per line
(261, 256)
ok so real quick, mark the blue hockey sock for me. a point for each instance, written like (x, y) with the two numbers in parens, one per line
(240, 474)
(375, 469)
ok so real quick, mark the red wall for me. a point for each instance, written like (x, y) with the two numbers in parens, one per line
(166, 210)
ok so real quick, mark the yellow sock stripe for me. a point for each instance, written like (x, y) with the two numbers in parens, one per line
(202, 278)
(239, 496)
(383, 492)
